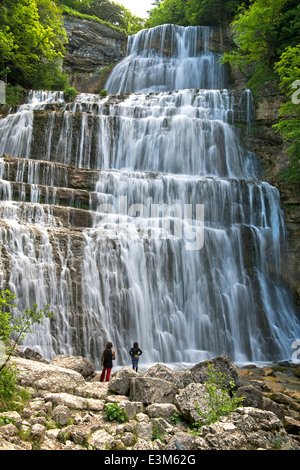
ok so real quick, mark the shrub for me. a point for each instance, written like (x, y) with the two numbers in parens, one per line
(18, 326)
(103, 93)
(70, 93)
(114, 412)
(221, 400)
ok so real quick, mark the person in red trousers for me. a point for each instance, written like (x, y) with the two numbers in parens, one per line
(107, 357)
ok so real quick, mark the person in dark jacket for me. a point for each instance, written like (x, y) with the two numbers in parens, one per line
(108, 355)
(135, 353)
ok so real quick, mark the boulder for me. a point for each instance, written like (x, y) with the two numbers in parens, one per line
(292, 425)
(160, 371)
(254, 397)
(188, 397)
(221, 364)
(37, 432)
(184, 439)
(101, 440)
(270, 405)
(78, 363)
(12, 416)
(75, 402)
(46, 377)
(33, 355)
(161, 410)
(121, 380)
(245, 429)
(61, 414)
(152, 390)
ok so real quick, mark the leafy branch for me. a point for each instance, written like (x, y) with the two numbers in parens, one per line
(221, 399)
(19, 326)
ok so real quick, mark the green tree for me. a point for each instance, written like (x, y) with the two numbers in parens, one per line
(267, 49)
(131, 23)
(32, 41)
(288, 69)
(168, 11)
(17, 325)
(194, 12)
(257, 36)
(212, 12)
(105, 10)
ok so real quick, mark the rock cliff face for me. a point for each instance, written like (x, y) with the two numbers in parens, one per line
(92, 49)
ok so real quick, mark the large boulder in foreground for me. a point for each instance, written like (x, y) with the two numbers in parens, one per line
(47, 377)
(151, 390)
(179, 378)
(78, 363)
(245, 429)
(221, 364)
(121, 380)
(188, 397)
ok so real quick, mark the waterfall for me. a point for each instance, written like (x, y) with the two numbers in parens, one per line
(166, 58)
(141, 217)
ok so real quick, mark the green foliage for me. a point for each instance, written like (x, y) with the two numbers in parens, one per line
(261, 33)
(114, 412)
(255, 34)
(14, 95)
(168, 11)
(103, 93)
(8, 387)
(18, 326)
(288, 69)
(176, 418)
(106, 12)
(267, 49)
(193, 12)
(32, 41)
(70, 93)
(157, 432)
(221, 400)
(212, 12)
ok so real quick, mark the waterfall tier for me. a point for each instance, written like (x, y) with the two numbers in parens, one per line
(141, 217)
(166, 58)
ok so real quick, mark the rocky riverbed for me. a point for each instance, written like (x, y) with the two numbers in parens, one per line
(67, 404)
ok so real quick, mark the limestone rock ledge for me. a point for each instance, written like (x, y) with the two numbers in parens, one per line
(66, 412)
(91, 47)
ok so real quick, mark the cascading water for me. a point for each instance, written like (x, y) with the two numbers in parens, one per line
(175, 250)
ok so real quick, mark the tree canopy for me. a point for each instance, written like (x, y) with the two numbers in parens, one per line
(193, 12)
(32, 41)
(33, 38)
(108, 11)
(267, 36)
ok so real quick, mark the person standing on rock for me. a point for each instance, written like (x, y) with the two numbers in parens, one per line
(135, 353)
(107, 357)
